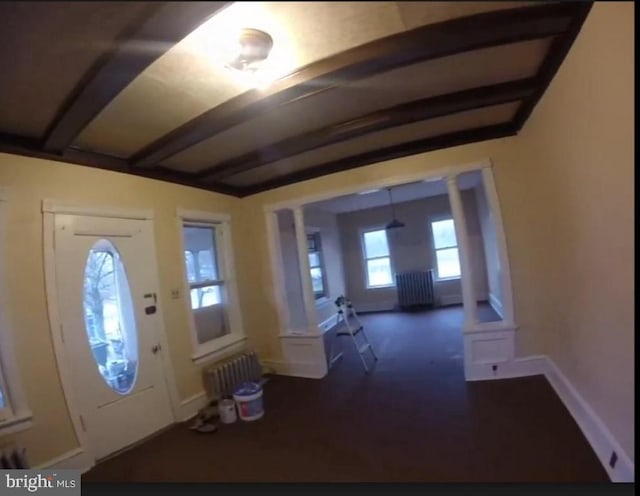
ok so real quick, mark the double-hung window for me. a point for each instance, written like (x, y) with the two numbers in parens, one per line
(212, 295)
(445, 246)
(206, 281)
(316, 265)
(377, 259)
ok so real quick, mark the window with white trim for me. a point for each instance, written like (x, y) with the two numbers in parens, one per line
(14, 414)
(206, 280)
(210, 287)
(445, 245)
(316, 265)
(377, 259)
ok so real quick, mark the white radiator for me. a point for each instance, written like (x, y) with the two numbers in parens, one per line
(13, 458)
(224, 376)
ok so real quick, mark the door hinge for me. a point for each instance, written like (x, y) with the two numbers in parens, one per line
(62, 332)
(84, 427)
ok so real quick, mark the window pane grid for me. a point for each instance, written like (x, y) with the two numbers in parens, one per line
(446, 249)
(316, 264)
(377, 259)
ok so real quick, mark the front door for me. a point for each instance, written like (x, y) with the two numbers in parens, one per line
(106, 291)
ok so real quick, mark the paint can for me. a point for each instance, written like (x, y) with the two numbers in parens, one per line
(227, 410)
(249, 401)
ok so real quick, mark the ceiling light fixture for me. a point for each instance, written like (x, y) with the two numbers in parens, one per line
(252, 48)
(395, 223)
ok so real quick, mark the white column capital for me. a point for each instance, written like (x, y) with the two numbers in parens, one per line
(451, 179)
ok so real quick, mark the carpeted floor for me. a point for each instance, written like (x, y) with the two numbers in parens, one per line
(413, 419)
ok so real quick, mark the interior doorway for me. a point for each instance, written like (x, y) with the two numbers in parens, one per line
(428, 243)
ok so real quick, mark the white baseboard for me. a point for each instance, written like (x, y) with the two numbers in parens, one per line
(386, 306)
(454, 299)
(496, 304)
(296, 369)
(593, 428)
(189, 407)
(76, 459)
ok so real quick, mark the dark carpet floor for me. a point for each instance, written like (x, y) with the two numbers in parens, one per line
(413, 419)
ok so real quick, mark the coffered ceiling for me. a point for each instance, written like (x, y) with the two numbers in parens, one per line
(138, 87)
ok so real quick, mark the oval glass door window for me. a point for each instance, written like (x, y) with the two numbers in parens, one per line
(109, 317)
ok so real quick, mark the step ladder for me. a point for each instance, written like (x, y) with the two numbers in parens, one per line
(348, 324)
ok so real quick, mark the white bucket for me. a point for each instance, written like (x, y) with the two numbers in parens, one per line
(227, 410)
(249, 401)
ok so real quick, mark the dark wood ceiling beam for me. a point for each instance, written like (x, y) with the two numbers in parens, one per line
(557, 53)
(399, 115)
(164, 26)
(402, 49)
(29, 147)
(389, 153)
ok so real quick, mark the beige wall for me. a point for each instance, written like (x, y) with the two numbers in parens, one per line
(578, 160)
(411, 248)
(31, 180)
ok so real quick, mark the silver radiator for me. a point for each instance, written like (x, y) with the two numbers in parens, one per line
(415, 288)
(13, 458)
(226, 375)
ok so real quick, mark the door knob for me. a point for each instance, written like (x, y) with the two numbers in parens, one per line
(155, 349)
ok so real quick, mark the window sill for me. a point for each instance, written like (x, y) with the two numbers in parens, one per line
(373, 288)
(17, 423)
(445, 279)
(218, 348)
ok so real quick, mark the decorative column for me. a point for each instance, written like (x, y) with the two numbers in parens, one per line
(501, 243)
(305, 270)
(464, 251)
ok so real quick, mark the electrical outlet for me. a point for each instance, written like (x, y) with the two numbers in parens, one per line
(175, 294)
(613, 459)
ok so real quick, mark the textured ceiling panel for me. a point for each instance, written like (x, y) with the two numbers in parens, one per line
(402, 134)
(187, 80)
(46, 49)
(436, 77)
(415, 14)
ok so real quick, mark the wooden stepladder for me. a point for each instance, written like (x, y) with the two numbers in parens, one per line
(348, 324)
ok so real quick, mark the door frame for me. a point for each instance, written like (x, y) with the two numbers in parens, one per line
(49, 210)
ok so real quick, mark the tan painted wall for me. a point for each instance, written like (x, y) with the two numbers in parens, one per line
(577, 157)
(31, 180)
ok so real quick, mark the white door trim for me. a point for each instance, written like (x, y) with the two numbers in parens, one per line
(55, 322)
(58, 207)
